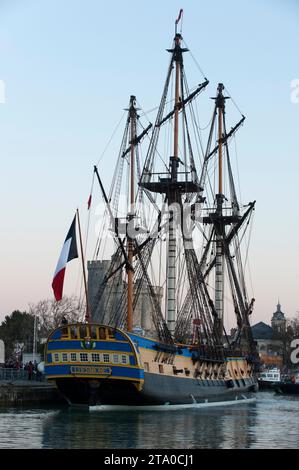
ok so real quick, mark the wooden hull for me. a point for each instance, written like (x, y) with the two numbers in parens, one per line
(120, 368)
(157, 390)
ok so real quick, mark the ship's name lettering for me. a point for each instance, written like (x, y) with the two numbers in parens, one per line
(90, 370)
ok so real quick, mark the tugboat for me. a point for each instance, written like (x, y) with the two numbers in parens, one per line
(288, 386)
(180, 193)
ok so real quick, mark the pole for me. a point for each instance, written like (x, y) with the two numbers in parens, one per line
(220, 159)
(172, 245)
(219, 268)
(34, 338)
(87, 315)
(130, 273)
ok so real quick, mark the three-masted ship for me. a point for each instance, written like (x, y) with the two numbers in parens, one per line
(177, 245)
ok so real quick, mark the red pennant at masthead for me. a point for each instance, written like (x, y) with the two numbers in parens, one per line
(69, 251)
(179, 17)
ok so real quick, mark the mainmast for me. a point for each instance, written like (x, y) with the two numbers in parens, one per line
(176, 183)
(130, 273)
(174, 163)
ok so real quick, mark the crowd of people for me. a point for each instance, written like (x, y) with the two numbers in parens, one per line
(30, 368)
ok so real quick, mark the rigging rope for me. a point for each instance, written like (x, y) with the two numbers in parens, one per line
(195, 61)
(111, 138)
(242, 114)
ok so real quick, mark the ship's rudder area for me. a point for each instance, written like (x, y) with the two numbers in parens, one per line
(94, 364)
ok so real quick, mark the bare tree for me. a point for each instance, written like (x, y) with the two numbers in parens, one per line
(293, 327)
(50, 313)
(291, 332)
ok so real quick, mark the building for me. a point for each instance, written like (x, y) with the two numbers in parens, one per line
(278, 321)
(270, 339)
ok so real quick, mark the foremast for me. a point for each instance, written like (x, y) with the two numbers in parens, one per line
(226, 223)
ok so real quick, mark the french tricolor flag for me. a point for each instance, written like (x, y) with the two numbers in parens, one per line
(68, 252)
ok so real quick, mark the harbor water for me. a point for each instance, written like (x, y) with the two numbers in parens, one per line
(271, 422)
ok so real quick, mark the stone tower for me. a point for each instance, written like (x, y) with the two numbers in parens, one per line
(142, 318)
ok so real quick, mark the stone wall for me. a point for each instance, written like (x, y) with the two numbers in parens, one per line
(26, 393)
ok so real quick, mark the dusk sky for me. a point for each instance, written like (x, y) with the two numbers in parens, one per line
(67, 69)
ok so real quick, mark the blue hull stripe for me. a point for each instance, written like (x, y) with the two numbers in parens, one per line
(99, 345)
(147, 343)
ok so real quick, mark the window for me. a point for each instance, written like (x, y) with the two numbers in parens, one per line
(93, 331)
(64, 357)
(83, 357)
(56, 357)
(161, 369)
(64, 332)
(73, 332)
(83, 331)
(111, 334)
(106, 357)
(95, 357)
(73, 357)
(124, 359)
(102, 333)
(115, 358)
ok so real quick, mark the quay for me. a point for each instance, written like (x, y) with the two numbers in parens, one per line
(17, 390)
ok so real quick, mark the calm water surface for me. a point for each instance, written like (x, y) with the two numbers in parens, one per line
(271, 422)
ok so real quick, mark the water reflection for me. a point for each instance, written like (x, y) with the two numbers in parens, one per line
(210, 428)
(271, 422)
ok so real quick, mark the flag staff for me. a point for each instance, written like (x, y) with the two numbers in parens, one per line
(87, 315)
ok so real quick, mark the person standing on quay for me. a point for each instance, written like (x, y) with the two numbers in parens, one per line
(30, 370)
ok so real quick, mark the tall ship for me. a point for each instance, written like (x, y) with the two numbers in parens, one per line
(154, 332)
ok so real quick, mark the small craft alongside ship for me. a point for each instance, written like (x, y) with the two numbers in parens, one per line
(288, 386)
(268, 378)
(189, 358)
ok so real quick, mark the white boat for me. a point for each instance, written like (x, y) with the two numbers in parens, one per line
(268, 378)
